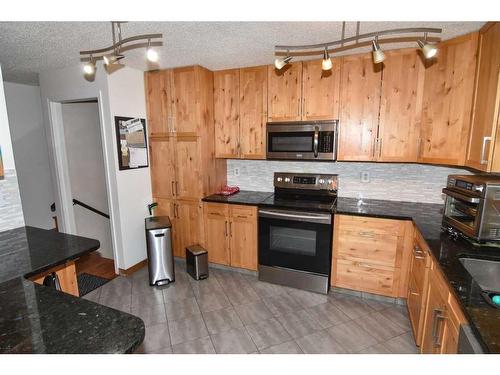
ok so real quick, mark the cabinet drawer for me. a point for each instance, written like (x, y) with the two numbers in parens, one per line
(369, 226)
(365, 246)
(243, 212)
(216, 209)
(364, 277)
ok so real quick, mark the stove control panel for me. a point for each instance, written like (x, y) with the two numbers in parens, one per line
(306, 181)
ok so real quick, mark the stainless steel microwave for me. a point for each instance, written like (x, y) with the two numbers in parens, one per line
(315, 140)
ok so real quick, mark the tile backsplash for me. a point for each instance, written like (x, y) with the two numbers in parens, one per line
(390, 181)
(11, 210)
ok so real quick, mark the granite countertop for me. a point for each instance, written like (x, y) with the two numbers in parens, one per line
(244, 197)
(38, 319)
(483, 318)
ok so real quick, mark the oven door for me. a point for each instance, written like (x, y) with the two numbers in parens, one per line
(463, 212)
(295, 240)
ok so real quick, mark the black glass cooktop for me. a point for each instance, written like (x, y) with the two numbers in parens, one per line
(302, 204)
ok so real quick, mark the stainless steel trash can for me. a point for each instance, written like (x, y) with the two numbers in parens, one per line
(159, 245)
(197, 262)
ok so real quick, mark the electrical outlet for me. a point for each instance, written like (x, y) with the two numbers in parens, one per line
(365, 177)
(236, 172)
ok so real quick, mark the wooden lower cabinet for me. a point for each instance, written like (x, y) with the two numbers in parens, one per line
(442, 318)
(186, 220)
(369, 255)
(231, 235)
(66, 274)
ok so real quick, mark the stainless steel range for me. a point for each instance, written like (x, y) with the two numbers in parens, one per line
(295, 231)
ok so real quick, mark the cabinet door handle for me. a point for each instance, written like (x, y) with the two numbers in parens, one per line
(437, 316)
(366, 234)
(173, 188)
(225, 228)
(483, 150)
(230, 229)
(417, 253)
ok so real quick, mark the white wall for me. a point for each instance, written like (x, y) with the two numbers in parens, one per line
(128, 191)
(82, 136)
(11, 211)
(31, 153)
(126, 97)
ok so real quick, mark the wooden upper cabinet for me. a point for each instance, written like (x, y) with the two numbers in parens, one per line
(185, 100)
(162, 164)
(227, 113)
(253, 112)
(400, 106)
(482, 141)
(359, 108)
(285, 92)
(447, 103)
(320, 91)
(157, 89)
(189, 171)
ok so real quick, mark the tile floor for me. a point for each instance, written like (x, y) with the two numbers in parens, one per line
(231, 312)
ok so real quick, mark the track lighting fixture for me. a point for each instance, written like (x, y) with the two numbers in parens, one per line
(89, 67)
(112, 58)
(326, 64)
(377, 54)
(428, 50)
(151, 53)
(113, 53)
(279, 63)
(285, 53)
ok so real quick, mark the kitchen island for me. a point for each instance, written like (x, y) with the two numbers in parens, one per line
(38, 319)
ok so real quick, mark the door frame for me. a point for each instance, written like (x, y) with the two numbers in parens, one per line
(62, 186)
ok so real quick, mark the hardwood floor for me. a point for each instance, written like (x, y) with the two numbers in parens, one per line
(95, 264)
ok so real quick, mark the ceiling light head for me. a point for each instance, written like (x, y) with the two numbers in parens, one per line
(280, 62)
(112, 58)
(151, 53)
(89, 67)
(377, 54)
(428, 50)
(326, 64)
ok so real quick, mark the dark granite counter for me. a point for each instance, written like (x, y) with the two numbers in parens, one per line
(38, 319)
(244, 197)
(483, 318)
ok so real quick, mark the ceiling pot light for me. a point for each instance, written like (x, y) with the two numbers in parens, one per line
(377, 54)
(279, 63)
(326, 64)
(151, 53)
(112, 58)
(428, 50)
(89, 67)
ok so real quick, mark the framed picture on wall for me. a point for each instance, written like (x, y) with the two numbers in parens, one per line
(131, 142)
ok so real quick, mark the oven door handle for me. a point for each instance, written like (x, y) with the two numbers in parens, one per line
(286, 215)
(316, 141)
(462, 197)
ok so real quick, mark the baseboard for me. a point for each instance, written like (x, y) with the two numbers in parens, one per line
(136, 267)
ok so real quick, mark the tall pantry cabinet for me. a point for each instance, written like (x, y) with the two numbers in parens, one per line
(181, 146)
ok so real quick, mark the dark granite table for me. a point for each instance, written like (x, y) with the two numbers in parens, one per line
(483, 318)
(38, 319)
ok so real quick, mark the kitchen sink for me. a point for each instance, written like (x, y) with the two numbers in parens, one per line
(485, 272)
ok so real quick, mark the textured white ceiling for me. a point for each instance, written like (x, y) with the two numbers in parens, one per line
(27, 48)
